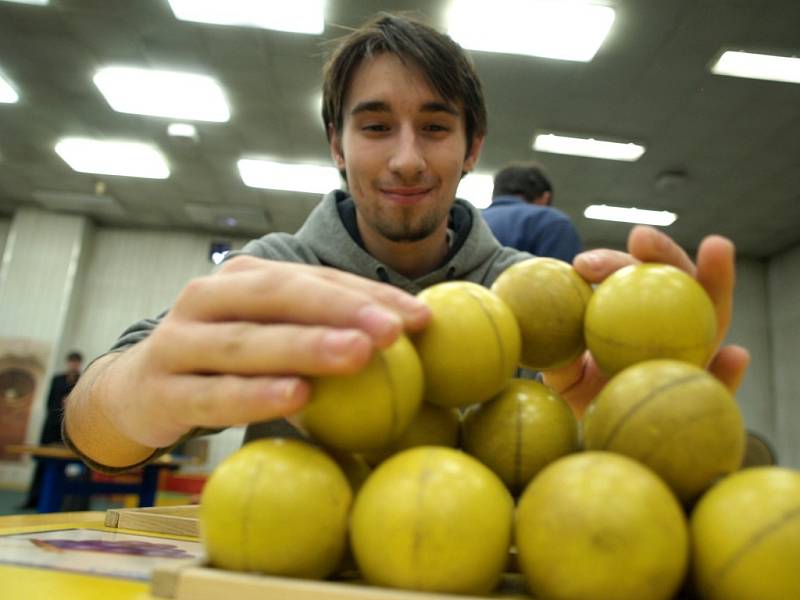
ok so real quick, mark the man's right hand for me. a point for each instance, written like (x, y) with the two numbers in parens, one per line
(236, 347)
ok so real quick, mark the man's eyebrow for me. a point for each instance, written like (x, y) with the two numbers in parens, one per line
(440, 107)
(370, 106)
(381, 106)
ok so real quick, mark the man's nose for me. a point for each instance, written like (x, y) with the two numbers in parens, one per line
(408, 158)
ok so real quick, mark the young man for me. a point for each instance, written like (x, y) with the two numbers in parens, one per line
(521, 214)
(405, 118)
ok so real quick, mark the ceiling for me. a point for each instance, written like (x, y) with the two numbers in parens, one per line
(737, 141)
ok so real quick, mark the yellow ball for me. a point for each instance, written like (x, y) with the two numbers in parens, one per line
(746, 537)
(649, 311)
(368, 409)
(276, 506)
(470, 348)
(432, 519)
(548, 298)
(520, 431)
(597, 525)
(431, 426)
(674, 417)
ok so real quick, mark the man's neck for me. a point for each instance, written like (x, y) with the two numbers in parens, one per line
(410, 259)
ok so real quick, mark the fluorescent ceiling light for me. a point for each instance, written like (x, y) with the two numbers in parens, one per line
(8, 94)
(758, 66)
(630, 215)
(298, 16)
(182, 130)
(476, 188)
(36, 2)
(312, 179)
(172, 94)
(550, 29)
(129, 159)
(560, 144)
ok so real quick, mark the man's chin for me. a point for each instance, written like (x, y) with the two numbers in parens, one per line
(407, 235)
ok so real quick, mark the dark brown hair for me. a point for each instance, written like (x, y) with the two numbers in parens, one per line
(521, 179)
(443, 63)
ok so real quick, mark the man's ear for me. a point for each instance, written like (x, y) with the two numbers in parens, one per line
(544, 199)
(474, 153)
(336, 148)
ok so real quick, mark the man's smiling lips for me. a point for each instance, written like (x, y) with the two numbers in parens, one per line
(406, 195)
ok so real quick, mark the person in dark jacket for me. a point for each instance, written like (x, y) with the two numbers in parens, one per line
(60, 387)
(522, 216)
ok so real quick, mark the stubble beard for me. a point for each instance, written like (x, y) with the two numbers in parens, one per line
(407, 229)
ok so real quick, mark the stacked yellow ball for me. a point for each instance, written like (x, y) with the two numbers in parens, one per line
(612, 523)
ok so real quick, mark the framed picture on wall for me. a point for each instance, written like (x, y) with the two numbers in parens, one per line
(23, 362)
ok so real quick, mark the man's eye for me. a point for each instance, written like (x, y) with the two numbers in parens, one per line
(375, 127)
(436, 127)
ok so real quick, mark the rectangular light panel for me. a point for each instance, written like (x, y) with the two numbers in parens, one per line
(36, 2)
(312, 179)
(476, 188)
(560, 144)
(129, 159)
(8, 94)
(157, 93)
(297, 16)
(758, 66)
(603, 212)
(550, 29)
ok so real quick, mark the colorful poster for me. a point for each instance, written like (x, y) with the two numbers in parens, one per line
(95, 552)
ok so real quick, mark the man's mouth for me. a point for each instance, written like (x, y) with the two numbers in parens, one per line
(406, 195)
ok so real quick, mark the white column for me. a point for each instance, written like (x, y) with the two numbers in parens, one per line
(40, 264)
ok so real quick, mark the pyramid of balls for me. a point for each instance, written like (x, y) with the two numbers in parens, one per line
(437, 469)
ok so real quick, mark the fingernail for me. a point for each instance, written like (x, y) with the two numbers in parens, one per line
(410, 303)
(378, 322)
(339, 343)
(285, 389)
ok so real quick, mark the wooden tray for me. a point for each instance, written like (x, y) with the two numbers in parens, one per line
(200, 582)
(171, 520)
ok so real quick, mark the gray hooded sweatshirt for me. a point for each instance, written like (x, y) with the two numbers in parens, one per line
(330, 237)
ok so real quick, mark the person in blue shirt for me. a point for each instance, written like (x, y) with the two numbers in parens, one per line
(521, 215)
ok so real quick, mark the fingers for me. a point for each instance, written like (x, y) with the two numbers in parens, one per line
(595, 265)
(244, 348)
(225, 400)
(729, 365)
(716, 259)
(645, 244)
(187, 401)
(577, 383)
(650, 245)
(257, 290)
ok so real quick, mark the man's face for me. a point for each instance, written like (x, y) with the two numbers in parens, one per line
(403, 148)
(73, 366)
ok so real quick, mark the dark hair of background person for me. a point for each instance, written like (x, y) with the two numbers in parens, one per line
(522, 179)
(74, 356)
(442, 61)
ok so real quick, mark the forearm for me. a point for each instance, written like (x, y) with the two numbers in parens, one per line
(86, 421)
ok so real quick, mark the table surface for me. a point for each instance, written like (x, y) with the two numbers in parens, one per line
(24, 583)
(59, 451)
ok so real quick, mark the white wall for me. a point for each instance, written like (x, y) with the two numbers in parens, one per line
(749, 328)
(783, 290)
(5, 225)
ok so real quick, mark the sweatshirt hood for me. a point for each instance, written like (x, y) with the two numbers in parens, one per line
(324, 231)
